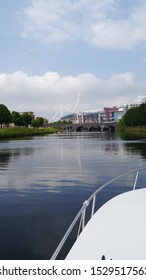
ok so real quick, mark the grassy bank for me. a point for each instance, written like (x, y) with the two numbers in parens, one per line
(24, 131)
(136, 128)
(141, 128)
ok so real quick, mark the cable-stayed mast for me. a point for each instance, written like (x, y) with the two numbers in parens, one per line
(79, 108)
(77, 112)
(59, 113)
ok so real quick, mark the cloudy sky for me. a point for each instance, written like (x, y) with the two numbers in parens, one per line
(50, 50)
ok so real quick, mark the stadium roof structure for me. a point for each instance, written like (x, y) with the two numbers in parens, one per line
(140, 99)
(84, 113)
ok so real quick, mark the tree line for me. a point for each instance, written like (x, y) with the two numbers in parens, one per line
(24, 119)
(134, 116)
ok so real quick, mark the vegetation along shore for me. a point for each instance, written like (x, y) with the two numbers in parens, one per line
(134, 119)
(14, 124)
(24, 131)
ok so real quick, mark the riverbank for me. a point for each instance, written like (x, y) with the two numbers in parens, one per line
(24, 131)
(141, 128)
(137, 128)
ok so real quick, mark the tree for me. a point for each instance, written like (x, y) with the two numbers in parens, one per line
(38, 122)
(121, 124)
(141, 114)
(131, 118)
(26, 118)
(5, 115)
(17, 119)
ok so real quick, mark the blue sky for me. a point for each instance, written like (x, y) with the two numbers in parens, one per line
(51, 50)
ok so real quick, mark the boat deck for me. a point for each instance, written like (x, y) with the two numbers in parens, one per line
(116, 231)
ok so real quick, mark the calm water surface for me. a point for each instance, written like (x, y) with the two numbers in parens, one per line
(44, 180)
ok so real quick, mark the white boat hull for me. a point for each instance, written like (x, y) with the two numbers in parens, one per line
(116, 231)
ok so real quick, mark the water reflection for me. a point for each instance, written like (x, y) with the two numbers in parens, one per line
(4, 158)
(6, 155)
(43, 182)
(135, 143)
(136, 149)
(133, 135)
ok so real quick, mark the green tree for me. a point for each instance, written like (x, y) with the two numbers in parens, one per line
(26, 118)
(121, 124)
(141, 114)
(131, 118)
(17, 119)
(5, 115)
(38, 122)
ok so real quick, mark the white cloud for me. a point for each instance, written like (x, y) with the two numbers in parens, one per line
(43, 94)
(94, 21)
(111, 34)
(56, 20)
(121, 33)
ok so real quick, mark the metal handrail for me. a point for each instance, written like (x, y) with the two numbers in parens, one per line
(82, 212)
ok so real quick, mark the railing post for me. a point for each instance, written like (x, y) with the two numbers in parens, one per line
(93, 205)
(82, 219)
(135, 182)
(85, 204)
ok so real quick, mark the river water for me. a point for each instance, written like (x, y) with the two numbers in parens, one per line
(44, 180)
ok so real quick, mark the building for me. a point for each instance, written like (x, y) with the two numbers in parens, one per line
(29, 113)
(137, 101)
(108, 114)
(82, 117)
(94, 116)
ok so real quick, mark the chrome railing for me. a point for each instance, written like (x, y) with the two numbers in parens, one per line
(82, 212)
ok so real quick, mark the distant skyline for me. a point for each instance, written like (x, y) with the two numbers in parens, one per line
(51, 50)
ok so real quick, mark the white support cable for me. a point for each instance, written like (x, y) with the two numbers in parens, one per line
(60, 113)
(77, 103)
(70, 111)
(58, 110)
(77, 110)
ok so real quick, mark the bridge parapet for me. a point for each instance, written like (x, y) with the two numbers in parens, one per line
(89, 126)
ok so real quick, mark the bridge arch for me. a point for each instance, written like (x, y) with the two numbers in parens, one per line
(112, 128)
(89, 127)
(82, 128)
(95, 128)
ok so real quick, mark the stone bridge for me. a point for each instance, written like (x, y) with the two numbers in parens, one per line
(108, 126)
